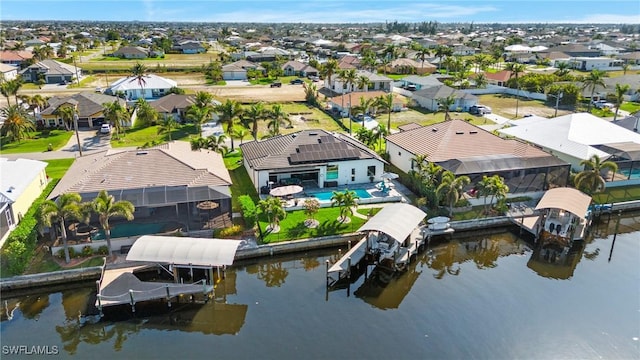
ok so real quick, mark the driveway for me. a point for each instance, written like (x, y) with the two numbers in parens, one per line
(90, 140)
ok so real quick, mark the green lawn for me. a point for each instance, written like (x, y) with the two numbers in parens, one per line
(142, 137)
(38, 142)
(630, 106)
(241, 183)
(58, 167)
(292, 227)
(617, 194)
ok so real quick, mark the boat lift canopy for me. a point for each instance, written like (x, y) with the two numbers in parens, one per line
(568, 199)
(184, 250)
(396, 220)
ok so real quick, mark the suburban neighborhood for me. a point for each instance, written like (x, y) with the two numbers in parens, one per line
(160, 160)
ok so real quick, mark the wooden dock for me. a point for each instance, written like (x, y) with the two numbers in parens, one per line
(350, 258)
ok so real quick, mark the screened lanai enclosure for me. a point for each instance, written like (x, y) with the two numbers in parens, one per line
(627, 156)
(521, 174)
(195, 207)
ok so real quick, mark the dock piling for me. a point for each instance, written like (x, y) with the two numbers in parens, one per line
(133, 302)
(168, 295)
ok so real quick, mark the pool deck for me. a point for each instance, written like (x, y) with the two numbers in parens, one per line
(396, 194)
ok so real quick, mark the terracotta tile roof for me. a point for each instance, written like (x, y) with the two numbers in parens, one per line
(10, 55)
(171, 164)
(501, 76)
(457, 139)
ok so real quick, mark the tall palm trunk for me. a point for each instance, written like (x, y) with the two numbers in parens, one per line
(67, 258)
(107, 235)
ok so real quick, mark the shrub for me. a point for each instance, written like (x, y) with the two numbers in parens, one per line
(87, 251)
(16, 258)
(228, 231)
(72, 252)
(103, 250)
(249, 211)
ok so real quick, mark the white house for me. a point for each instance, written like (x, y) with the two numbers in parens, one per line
(238, 70)
(315, 157)
(591, 63)
(376, 82)
(573, 137)
(152, 87)
(8, 72)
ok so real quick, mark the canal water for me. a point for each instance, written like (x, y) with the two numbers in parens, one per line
(485, 297)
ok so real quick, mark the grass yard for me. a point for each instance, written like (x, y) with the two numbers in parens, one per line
(630, 106)
(241, 183)
(292, 227)
(617, 194)
(505, 105)
(38, 142)
(58, 167)
(148, 136)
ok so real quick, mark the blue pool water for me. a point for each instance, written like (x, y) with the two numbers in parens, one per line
(326, 195)
(635, 173)
(133, 229)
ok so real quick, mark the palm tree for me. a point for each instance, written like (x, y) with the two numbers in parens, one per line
(451, 188)
(38, 102)
(66, 207)
(146, 114)
(421, 54)
(381, 132)
(363, 82)
(516, 69)
(66, 113)
(445, 104)
(240, 133)
(346, 201)
(386, 103)
(481, 81)
(115, 114)
(442, 51)
(563, 69)
(625, 68)
(590, 180)
(198, 116)
(10, 88)
(105, 206)
(310, 93)
(204, 99)
(493, 186)
(253, 115)
(620, 91)
(215, 143)
(229, 111)
(272, 208)
(592, 81)
(167, 126)
(138, 72)
(350, 77)
(17, 123)
(277, 117)
(328, 69)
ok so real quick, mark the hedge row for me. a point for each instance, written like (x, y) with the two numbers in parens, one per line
(249, 210)
(21, 243)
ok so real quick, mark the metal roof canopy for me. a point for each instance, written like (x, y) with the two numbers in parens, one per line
(568, 199)
(184, 250)
(396, 220)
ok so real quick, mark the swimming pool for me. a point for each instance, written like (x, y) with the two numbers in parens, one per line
(133, 229)
(635, 173)
(326, 195)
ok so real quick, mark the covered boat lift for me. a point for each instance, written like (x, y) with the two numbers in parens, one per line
(121, 286)
(391, 234)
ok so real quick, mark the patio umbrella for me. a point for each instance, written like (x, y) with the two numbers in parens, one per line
(207, 205)
(286, 190)
(390, 176)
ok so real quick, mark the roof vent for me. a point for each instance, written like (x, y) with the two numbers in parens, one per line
(11, 188)
(434, 129)
(142, 153)
(459, 132)
(294, 135)
(313, 134)
(473, 132)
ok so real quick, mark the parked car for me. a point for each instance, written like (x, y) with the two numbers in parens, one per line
(411, 87)
(296, 81)
(479, 110)
(313, 78)
(105, 129)
(276, 84)
(603, 104)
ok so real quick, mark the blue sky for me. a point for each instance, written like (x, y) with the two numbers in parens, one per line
(328, 11)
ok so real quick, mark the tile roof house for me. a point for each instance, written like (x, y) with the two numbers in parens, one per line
(21, 182)
(340, 103)
(465, 149)
(573, 137)
(428, 98)
(376, 82)
(410, 66)
(51, 71)
(296, 68)
(500, 78)
(89, 106)
(174, 105)
(317, 158)
(8, 72)
(16, 58)
(131, 52)
(170, 179)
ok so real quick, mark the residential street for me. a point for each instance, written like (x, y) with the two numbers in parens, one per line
(90, 139)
